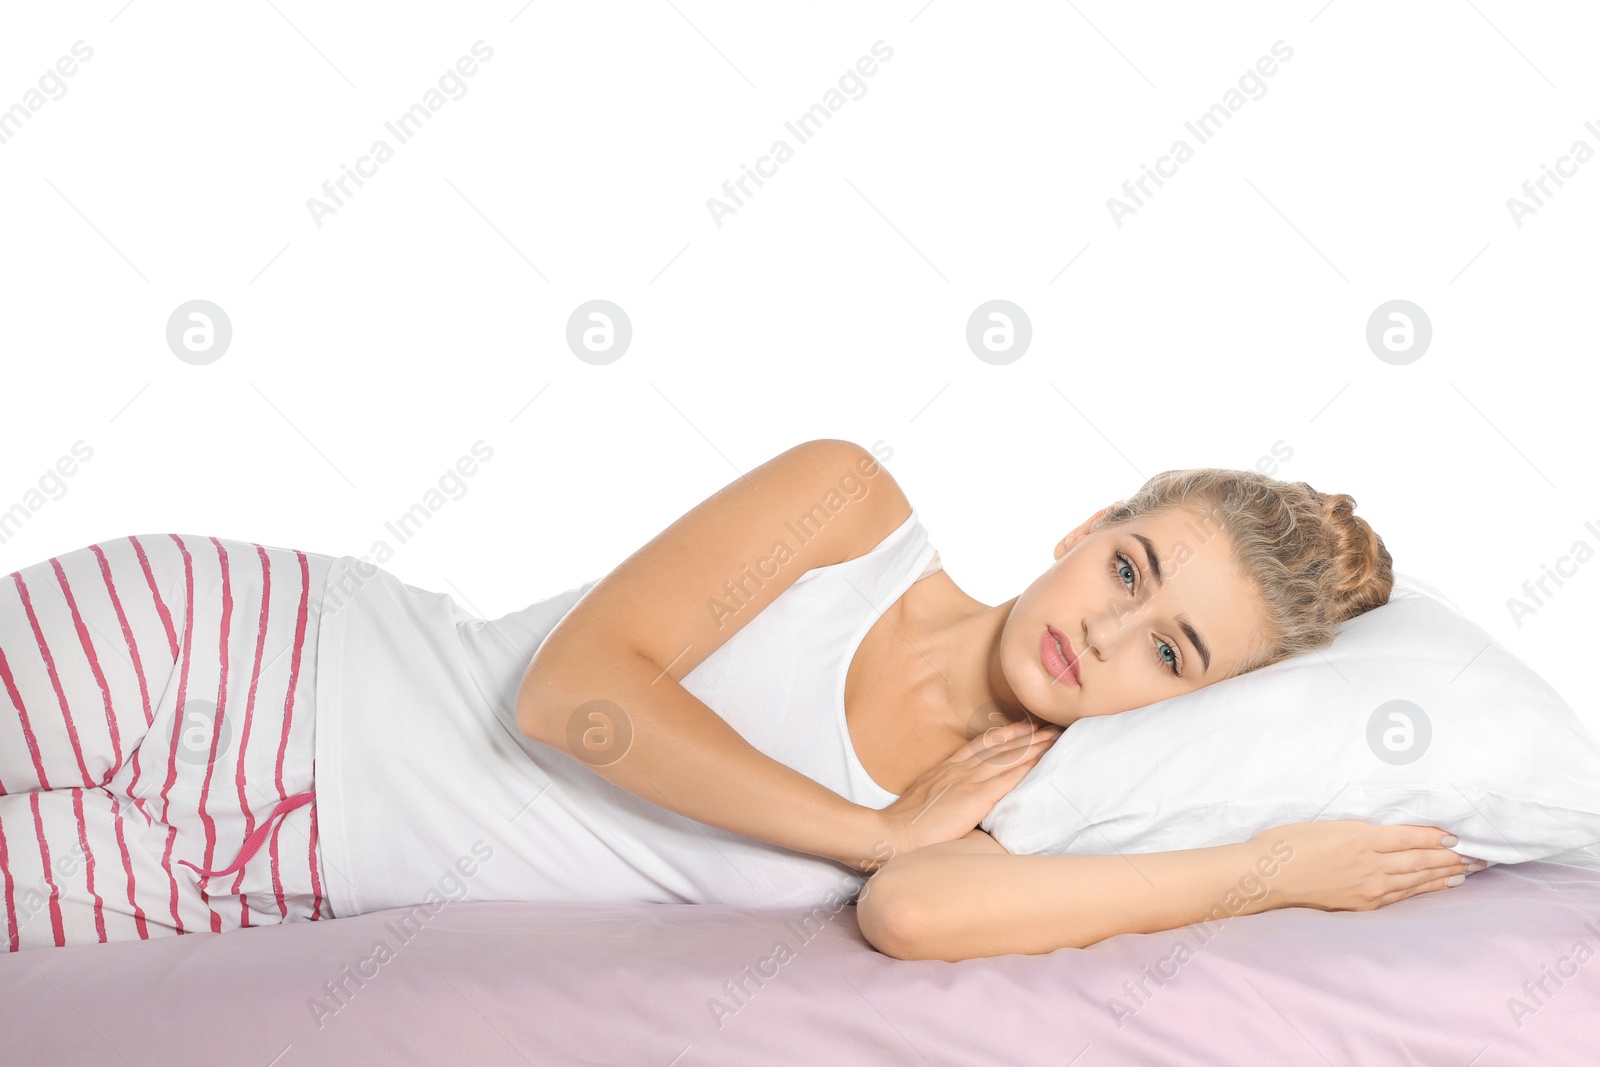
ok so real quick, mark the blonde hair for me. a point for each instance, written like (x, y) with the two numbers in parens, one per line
(1312, 561)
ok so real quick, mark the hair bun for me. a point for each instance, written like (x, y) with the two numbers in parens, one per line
(1358, 557)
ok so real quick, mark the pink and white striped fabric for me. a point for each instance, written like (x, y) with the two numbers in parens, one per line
(157, 727)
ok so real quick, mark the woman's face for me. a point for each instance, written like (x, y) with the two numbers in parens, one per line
(1130, 631)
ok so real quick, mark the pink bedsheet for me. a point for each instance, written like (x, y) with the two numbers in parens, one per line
(1447, 978)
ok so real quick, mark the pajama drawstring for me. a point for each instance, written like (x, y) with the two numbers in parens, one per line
(258, 835)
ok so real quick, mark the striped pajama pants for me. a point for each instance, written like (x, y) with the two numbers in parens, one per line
(157, 715)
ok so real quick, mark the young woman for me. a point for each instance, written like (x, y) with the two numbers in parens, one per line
(776, 697)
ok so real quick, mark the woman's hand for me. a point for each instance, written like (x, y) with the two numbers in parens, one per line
(1351, 865)
(947, 801)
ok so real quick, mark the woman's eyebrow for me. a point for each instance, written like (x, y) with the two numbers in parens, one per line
(1183, 620)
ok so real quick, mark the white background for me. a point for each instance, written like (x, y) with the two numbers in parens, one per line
(1226, 315)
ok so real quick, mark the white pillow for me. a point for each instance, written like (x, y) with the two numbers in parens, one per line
(1414, 714)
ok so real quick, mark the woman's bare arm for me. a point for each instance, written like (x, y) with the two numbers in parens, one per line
(971, 897)
(966, 898)
(657, 740)
(605, 684)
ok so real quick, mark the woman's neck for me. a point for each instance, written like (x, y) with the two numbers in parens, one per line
(947, 661)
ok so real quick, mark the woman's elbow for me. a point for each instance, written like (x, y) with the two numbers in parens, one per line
(898, 917)
(886, 919)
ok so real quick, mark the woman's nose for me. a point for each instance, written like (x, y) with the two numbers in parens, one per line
(1104, 633)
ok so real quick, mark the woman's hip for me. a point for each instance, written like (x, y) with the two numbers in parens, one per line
(178, 674)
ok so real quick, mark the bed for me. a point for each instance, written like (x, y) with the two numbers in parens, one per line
(1497, 972)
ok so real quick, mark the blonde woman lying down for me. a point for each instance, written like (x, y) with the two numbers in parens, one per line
(780, 699)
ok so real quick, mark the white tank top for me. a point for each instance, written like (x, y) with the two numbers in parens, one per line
(427, 791)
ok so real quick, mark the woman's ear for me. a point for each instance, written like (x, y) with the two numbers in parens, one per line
(1065, 544)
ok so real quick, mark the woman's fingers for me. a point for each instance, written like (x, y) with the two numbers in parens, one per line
(1422, 882)
(994, 739)
(1008, 753)
(996, 735)
(1420, 859)
(1429, 870)
(1404, 837)
(1418, 856)
(1018, 756)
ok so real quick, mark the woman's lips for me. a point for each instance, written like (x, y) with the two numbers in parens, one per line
(1063, 670)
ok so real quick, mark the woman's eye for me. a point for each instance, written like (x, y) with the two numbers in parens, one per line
(1119, 565)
